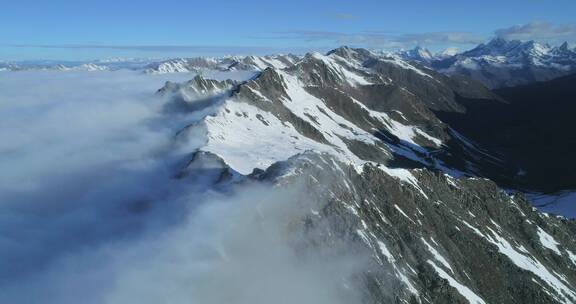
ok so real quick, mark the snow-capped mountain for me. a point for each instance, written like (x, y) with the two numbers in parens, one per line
(388, 178)
(503, 63)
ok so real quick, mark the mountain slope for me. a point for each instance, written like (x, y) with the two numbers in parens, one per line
(543, 115)
(433, 238)
(530, 131)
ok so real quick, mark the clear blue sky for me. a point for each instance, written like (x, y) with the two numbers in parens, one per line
(77, 29)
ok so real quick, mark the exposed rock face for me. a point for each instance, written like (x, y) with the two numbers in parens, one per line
(434, 238)
(199, 85)
(385, 176)
(195, 94)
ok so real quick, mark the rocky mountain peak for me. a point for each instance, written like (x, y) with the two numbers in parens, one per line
(343, 51)
(496, 46)
(565, 51)
(353, 54)
(198, 85)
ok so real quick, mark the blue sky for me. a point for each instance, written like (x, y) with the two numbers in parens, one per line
(73, 30)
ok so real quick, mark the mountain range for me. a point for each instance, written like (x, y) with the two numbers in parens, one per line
(392, 160)
(498, 63)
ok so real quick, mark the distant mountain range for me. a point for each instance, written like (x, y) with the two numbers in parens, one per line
(229, 63)
(94, 65)
(502, 63)
(497, 63)
(156, 66)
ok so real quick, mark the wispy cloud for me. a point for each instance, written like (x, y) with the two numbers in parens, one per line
(344, 16)
(441, 38)
(378, 39)
(538, 30)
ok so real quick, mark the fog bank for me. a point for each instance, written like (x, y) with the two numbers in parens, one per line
(90, 210)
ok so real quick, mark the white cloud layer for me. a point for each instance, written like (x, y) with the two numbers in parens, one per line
(541, 31)
(376, 39)
(90, 211)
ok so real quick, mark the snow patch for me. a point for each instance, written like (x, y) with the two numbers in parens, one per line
(384, 250)
(404, 214)
(405, 176)
(463, 290)
(548, 241)
(437, 255)
(565, 293)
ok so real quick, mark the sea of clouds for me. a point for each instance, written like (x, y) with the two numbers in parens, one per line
(90, 211)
